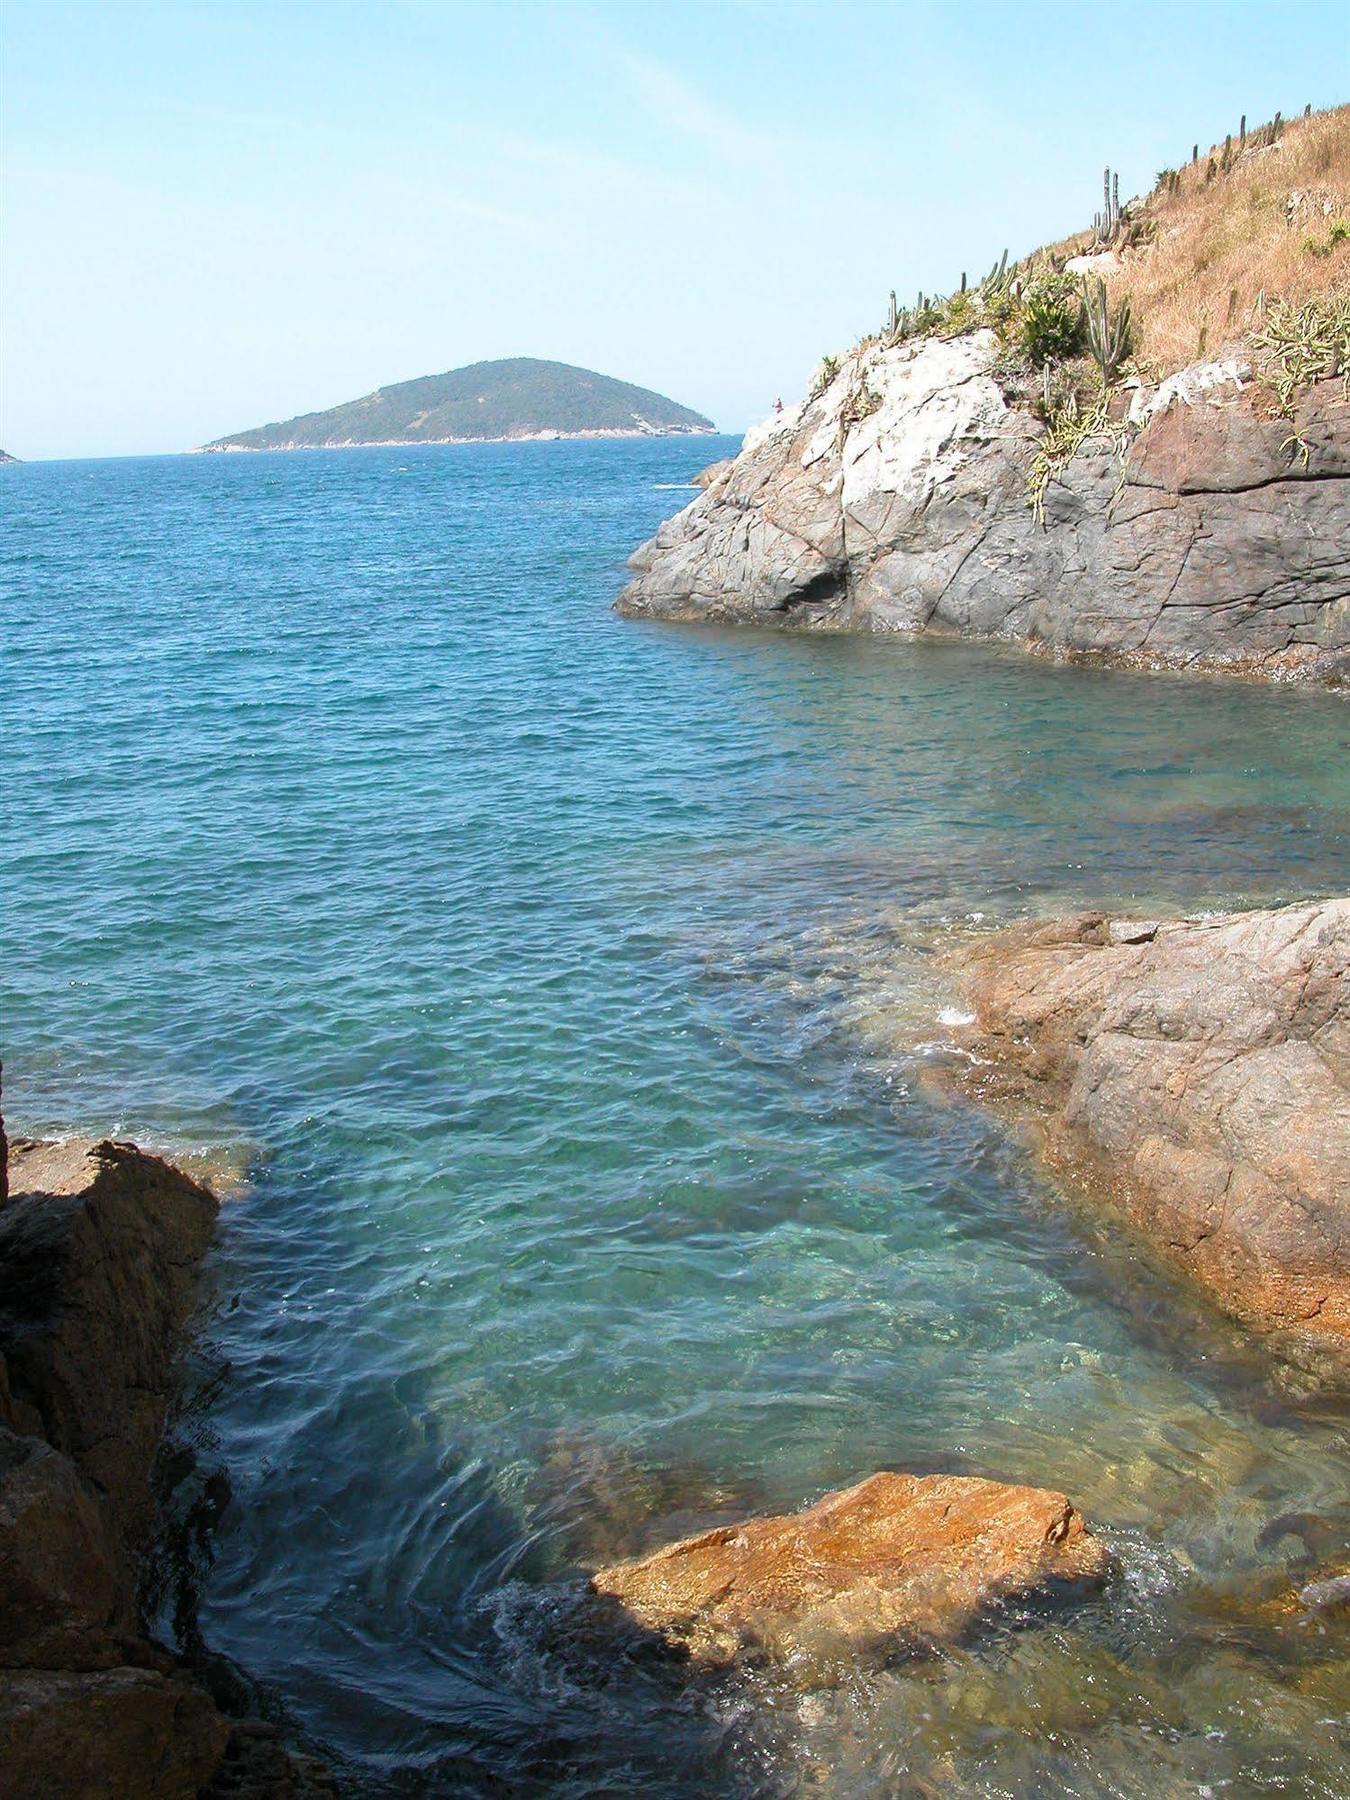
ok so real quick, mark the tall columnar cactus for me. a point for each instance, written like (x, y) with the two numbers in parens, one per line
(1108, 335)
(1107, 221)
(998, 280)
(892, 318)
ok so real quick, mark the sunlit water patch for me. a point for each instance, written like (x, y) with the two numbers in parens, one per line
(568, 985)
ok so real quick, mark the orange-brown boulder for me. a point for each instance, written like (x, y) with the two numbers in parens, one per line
(898, 1558)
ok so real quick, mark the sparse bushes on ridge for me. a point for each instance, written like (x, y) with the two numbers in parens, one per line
(825, 374)
(1190, 275)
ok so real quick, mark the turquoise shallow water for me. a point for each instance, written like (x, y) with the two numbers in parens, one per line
(553, 975)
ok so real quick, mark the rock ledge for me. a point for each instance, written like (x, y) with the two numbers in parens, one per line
(1199, 1071)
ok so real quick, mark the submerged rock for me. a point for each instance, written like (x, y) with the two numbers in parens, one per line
(1331, 1595)
(898, 1558)
(1199, 1072)
(896, 500)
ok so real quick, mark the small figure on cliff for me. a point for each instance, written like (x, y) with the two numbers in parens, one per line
(778, 405)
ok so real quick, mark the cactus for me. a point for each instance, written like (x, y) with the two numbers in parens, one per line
(1108, 337)
(1195, 153)
(998, 280)
(963, 281)
(1242, 131)
(1107, 222)
(892, 318)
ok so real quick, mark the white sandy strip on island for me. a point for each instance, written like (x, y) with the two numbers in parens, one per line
(227, 447)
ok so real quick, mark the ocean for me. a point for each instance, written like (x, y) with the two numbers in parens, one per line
(562, 990)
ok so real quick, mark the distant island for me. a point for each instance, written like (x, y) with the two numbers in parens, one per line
(6, 457)
(516, 397)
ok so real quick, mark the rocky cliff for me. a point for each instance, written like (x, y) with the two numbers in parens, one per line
(1197, 530)
(1198, 1073)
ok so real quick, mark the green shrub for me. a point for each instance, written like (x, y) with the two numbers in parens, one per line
(1339, 234)
(825, 374)
(1049, 325)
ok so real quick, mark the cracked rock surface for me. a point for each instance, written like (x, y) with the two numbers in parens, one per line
(1201, 1068)
(896, 500)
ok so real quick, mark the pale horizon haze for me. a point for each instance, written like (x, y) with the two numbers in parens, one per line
(216, 216)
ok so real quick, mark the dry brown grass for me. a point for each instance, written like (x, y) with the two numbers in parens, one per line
(1227, 244)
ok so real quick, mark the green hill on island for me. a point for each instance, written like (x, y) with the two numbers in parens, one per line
(517, 397)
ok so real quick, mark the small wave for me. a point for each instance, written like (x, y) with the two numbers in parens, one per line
(666, 487)
(951, 1015)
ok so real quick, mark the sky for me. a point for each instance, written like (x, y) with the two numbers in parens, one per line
(218, 215)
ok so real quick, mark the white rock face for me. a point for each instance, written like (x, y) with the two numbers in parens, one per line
(938, 401)
(897, 500)
(1100, 262)
(1206, 380)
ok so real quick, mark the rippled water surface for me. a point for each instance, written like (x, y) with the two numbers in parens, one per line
(544, 968)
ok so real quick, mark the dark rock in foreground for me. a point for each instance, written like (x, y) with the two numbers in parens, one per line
(99, 1245)
(898, 1559)
(1199, 535)
(1199, 1072)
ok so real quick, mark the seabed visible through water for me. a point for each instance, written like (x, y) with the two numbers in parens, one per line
(566, 986)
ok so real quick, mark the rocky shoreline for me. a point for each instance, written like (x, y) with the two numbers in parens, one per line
(1196, 530)
(99, 1247)
(1196, 1074)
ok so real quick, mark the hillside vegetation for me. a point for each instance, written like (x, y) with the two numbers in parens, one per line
(1246, 246)
(1224, 235)
(513, 398)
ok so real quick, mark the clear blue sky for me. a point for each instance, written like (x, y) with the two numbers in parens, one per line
(222, 214)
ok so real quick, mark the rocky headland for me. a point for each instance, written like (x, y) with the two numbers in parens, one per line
(1133, 445)
(1192, 530)
(1196, 1074)
(99, 1247)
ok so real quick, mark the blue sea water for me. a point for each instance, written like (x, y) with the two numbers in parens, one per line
(564, 986)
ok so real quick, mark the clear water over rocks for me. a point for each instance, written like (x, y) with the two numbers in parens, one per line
(563, 985)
